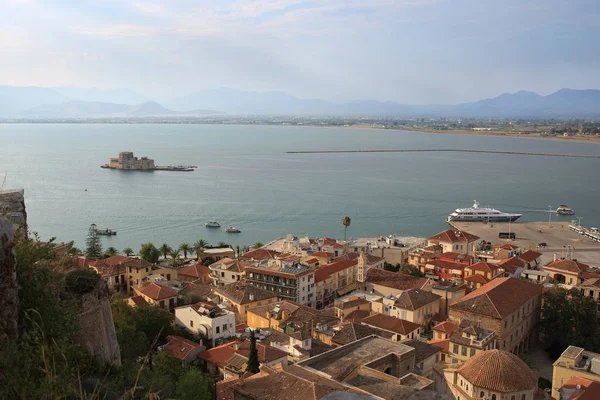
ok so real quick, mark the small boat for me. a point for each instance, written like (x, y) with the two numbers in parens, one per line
(564, 210)
(105, 232)
(233, 229)
(213, 224)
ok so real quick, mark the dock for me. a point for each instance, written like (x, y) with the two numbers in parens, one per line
(529, 235)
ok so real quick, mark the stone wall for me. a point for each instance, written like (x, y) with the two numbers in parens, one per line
(12, 205)
(9, 295)
(97, 328)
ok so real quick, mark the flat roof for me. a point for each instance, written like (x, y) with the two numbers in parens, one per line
(219, 250)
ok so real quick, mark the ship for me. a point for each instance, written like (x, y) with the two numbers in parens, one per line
(481, 214)
(105, 232)
(233, 229)
(565, 210)
(213, 224)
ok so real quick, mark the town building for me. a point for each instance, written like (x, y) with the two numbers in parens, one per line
(449, 294)
(206, 320)
(426, 356)
(182, 349)
(241, 296)
(574, 362)
(323, 257)
(419, 256)
(590, 288)
(440, 269)
(532, 259)
(578, 388)
(194, 272)
(454, 240)
(469, 339)
(295, 282)
(508, 306)
(215, 254)
(349, 332)
(260, 255)
(566, 272)
(333, 280)
(158, 295)
(349, 304)
(505, 250)
(112, 270)
(386, 283)
(402, 329)
(414, 305)
(227, 270)
(493, 375)
(535, 276)
(512, 266)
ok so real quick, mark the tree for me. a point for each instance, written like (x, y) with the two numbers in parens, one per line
(149, 253)
(185, 248)
(174, 254)
(346, 221)
(253, 363)
(199, 247)
(128, 251)
(193, 385)
(257, 245)
(222, 245)
(93, 244)
(110, 252)
(164, 250)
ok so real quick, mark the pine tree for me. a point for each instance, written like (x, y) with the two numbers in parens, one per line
(253, 363)
(93, 244)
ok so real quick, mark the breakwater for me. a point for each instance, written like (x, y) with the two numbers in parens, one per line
(520, 153)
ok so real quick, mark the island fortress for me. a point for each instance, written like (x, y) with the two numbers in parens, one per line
(126, 161)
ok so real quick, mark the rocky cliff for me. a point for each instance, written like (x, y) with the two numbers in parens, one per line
(12, 206)
(9, 295)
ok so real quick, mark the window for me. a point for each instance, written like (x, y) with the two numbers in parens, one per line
(481, 394)
(129, 269)
(493, 397)
(461, 382)
(523, 396)
(162, 304)
(222, 274)
(218, 329)
(455, 349)
(467, 387)
(232, 276)
(191, 323)
(472, 352)
(168, 277)
(146, 269)
(224, 327)
(512, 397)
(464, 351)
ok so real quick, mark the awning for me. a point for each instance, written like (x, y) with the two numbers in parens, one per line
(346, 289)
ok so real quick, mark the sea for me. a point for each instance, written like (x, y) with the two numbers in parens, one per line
(246, 179)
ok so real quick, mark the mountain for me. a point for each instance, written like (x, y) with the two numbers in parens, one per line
(14, 99)
(96, 109)
(119, 96)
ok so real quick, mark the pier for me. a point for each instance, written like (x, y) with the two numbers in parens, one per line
(519, 153)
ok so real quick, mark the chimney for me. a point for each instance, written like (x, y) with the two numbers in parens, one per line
(251, 296)
(554, 257)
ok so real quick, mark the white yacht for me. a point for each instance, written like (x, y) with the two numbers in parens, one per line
(233, 229)
(565, 210)
(481, 214)
(213, 224)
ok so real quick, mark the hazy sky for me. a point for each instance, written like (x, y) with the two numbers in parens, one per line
(410, 51)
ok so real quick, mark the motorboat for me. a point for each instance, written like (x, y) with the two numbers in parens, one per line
(233, 229)
(565, 210)
(105, 232)
(213, 224)
(476, 213)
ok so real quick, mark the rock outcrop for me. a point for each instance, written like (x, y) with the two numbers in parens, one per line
(9, 289)
(12, 206)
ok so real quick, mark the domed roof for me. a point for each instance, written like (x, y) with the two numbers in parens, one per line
(498, 371)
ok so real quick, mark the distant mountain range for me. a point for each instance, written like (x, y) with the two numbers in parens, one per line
(69, 102)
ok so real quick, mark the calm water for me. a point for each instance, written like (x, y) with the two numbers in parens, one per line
(246, 179)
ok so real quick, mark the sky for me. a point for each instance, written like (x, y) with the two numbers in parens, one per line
(408, 51)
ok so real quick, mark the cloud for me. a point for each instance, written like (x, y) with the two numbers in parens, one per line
(114, 31)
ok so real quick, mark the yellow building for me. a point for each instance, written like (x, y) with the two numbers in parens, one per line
(574, 362)
(241, 296)
(158, 295)
(566, 272)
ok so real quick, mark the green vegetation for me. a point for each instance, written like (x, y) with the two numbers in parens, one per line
(128, 251)
(110, 252)
(253, 363)
(568, 318)
(149, 252)
(93, 244)
(185, 248)
(257, 245)
(403, 268)
(346, 222)
(199, 247)
(164, 250)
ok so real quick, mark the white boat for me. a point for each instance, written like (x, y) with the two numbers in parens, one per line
(565, 210)
(233, 229)
(213, 224)
(481, 214)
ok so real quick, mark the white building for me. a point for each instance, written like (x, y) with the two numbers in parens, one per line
(206, 320)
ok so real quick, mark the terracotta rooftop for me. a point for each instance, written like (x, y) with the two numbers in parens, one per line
(181, 347)
(392, 324)
(508, 246)
(357, 316)
(423, 350)
(156, 291)
(260, 254)
(442, 344)
(454, 236)
(352, 331)
(414, 299)
(511, 265)
(567, 266)
(530, 255)
(456, 257)
(218, 355)
(266, 353)
(477, 278)
(583, 389)
(244, 293)
(196, 270)
(288, 311)
(395, 280)
(484, 267)
(498, 298)
(371, 259)
(228, 264)
(595, 282)
(139, 301)
(322, 254)
(352, 302)
(326, 271)
(447, 264)
(446, 327)
(498, 371)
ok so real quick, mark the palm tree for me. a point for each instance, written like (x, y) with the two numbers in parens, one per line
(110, 252)
(164, 250)
(199, 247)
(257, 245)
(174, 254)
(346, 221)
(185, 248)
(222, 244)
(128, 251)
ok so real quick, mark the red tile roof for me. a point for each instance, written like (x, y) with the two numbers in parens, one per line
(218, 355)
(456, 257)
(156, 292)
(448, 327)
(327, 270)
(260, 254)
(454, 236)
(196, 270)
(395, 280)
(443, 344)
(498, 298)
(477, 279)
(389, 323)
(139, 301)
(447, 264)
(498, 371)
(322, 254)
(266, 353)
(484, 267)
(510, 265)
(530, 256)
(181, 347)
(413, 299)
(568, 266)
(508, 246)
(583, 389)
